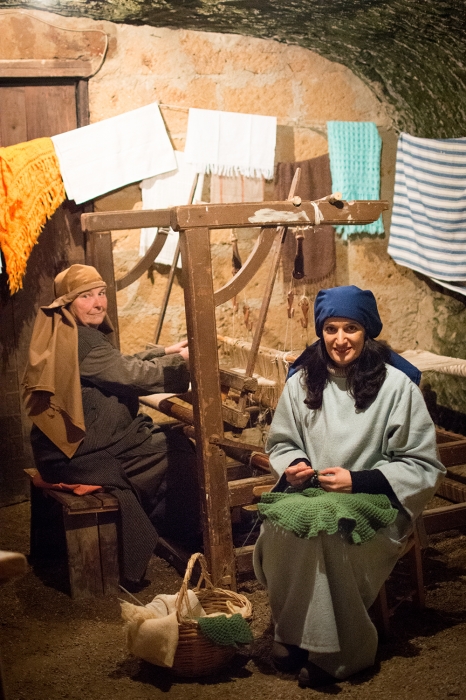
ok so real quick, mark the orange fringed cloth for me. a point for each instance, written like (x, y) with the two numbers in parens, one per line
(31, 189)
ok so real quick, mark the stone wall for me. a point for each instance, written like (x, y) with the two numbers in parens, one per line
(182, 69)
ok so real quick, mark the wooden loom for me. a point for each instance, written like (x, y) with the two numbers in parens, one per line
(208, 413)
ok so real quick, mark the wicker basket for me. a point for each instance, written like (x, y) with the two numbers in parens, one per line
(195, 654)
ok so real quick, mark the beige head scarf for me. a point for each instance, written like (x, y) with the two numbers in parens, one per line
(51, 382)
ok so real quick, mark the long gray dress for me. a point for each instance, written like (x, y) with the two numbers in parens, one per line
(321, 588)
(151, 469)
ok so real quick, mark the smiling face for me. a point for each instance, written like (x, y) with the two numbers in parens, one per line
(89, 308)
(344, 340)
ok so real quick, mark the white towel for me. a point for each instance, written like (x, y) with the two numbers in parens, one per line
(428, 229)
(228, 143)
(114, 152)
(169, 190)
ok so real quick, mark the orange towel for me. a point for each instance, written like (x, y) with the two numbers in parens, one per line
(78, 489)
(31, 189)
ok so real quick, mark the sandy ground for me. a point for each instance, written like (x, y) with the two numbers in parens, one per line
(54, 648)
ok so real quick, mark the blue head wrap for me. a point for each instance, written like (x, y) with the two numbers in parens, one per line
(360, 305)
(348, 302)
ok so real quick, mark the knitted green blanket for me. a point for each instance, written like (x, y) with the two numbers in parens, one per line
(226, 631)
(358, 515)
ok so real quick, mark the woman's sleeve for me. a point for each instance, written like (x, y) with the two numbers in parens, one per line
(117, 373)
(284, 443)
(411, 464)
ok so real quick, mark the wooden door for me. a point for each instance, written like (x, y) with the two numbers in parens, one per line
(30, 109)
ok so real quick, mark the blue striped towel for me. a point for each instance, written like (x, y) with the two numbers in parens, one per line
(354, 149)
(428, 229)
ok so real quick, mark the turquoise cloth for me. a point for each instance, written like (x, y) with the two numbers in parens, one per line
(354, 149)
(308, 512)
(226, 631)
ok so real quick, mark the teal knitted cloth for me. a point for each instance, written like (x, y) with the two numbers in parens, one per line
(306, 513)
(226, 631)
(354, 149)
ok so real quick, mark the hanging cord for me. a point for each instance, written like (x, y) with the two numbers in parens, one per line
(65, 29)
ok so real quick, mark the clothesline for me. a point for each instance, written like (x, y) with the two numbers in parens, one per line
(318, 127)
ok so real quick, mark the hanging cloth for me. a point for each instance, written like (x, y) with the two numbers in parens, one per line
(354, 149)
(428, 228)
(238, 188)
(31, 189)
(114, 152)
(319, 241)
(168, 190)
(229, 143)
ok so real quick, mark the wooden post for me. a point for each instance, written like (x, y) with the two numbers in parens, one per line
(99, 254)
(207, 405)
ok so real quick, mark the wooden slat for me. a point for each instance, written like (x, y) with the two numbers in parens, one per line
(45, 68)
(285, 214)
(445, 518)
(84, 567)
(257, 256)
(242, 491)
(458, 472)
(452, 453)
(108, 542)
(145, 262)
(125, 219)
(453, 490)
(238, 381)
(243, 556)
(99, 254)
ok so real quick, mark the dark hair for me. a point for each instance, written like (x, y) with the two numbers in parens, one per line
(365, 375)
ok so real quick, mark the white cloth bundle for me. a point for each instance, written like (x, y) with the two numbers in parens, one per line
(229, 143)
(168, 190)
(152, 630)
(114, 152)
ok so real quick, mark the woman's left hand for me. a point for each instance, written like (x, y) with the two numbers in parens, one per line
(176, 348)
(336, 479)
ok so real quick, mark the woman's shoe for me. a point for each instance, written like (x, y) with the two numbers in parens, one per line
(287, 658)
(312, 676)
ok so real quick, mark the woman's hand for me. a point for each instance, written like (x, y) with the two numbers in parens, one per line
(298, 474)
(178, 347)
(336, 479)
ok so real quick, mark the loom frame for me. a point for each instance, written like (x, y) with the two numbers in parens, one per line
(193, 222)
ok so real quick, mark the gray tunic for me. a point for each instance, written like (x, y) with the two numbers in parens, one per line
(320, 589)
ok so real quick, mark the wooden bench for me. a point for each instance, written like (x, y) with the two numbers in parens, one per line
(85, 529)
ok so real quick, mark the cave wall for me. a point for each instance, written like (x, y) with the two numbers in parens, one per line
(184, 68)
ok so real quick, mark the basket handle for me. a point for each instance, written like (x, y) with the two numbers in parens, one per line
(203, 579)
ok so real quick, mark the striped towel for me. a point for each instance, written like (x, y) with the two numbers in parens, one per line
(428, 229)
(354, 149)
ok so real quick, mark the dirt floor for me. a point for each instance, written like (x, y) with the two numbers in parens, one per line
(54, 648)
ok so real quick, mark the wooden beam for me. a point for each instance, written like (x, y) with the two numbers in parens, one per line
(45, 68)
(119, 220)
(452, 453)
(445, 518)
(236, 215)
(242, 490)
(275, 214)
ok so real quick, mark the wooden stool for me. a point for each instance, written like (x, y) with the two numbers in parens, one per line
(382, 611)
(82, 527)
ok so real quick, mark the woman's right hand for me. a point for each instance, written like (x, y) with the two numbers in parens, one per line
(298, 474)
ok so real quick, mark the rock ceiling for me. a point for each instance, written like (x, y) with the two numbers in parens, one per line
(411, 52)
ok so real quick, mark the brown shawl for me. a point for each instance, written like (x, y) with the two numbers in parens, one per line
(51, 382)
(319, 242)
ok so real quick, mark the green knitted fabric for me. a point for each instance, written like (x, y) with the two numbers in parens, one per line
(358, 515)
(226, 631)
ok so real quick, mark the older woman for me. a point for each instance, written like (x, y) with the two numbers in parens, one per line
(81, 394)
(350, 424)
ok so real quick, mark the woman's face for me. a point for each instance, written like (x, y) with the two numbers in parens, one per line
(89, 308)
(344, 340)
